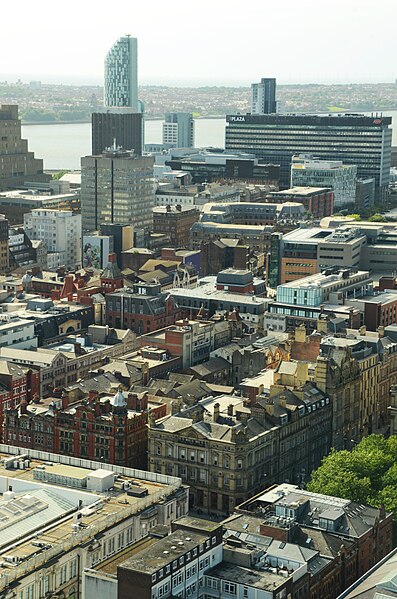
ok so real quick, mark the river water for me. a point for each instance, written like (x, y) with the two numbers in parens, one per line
(62, 146)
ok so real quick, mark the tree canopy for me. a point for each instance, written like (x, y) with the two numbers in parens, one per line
(367, 474)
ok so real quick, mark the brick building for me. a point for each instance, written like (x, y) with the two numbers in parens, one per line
(379, 310)
(99, 427)
(317, 200)
(17, 384)
(141, 308)
(176, 221)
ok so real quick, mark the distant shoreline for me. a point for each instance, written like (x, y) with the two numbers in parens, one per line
(219, 116)
(153, 118)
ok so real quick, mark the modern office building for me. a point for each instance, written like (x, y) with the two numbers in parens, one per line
(304, 252)
(178, 130)
(308, 171)
(331, 286)
(17, 164)
(120, 125)
(61, 232)
(123, 238)
(16, 203)
(365, 193)
(121, 73)
(117, 187)
(207, 166)
(263, 97)
(353, 139)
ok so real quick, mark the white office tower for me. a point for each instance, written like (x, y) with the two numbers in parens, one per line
(178, 130)
(60, 230)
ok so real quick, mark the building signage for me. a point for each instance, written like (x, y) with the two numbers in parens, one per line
(236, 119)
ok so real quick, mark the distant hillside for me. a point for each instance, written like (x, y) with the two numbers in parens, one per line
(69, 103)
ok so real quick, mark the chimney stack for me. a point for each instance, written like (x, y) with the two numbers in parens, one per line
(216, 412)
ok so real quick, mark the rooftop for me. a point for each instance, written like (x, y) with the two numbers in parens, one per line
(49, 509)
(300, 191)
(164, 551)
(324, 280)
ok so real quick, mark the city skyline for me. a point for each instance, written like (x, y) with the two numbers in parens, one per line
(296, 43)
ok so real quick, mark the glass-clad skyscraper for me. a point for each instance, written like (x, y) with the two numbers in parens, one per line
(121, 74)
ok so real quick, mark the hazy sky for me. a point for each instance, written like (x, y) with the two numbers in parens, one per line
(214, 42)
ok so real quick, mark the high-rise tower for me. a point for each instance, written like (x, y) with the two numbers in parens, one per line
(263, 97)
(121, 74)
(178, 129)
(17, 164)
(117, 187)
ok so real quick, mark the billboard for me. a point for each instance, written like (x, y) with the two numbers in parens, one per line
(96, 249)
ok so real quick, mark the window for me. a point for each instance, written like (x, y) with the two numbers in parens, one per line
(177, 579)
(204, 563)
(191, 572)
(229, 587)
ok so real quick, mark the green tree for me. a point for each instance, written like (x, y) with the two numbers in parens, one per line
(59, 174)
(367, 474)
(336, 476)
(377, 218)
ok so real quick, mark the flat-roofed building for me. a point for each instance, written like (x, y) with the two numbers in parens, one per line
(319, 201)
(84, 513)
(252, 213)
(117, 186)
(354, 139)
(330, 286)
(16, 203)
(195, 195)
(305, 251)
(340, 177)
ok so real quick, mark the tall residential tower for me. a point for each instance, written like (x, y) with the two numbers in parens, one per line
(263, 97)
(121, 73)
